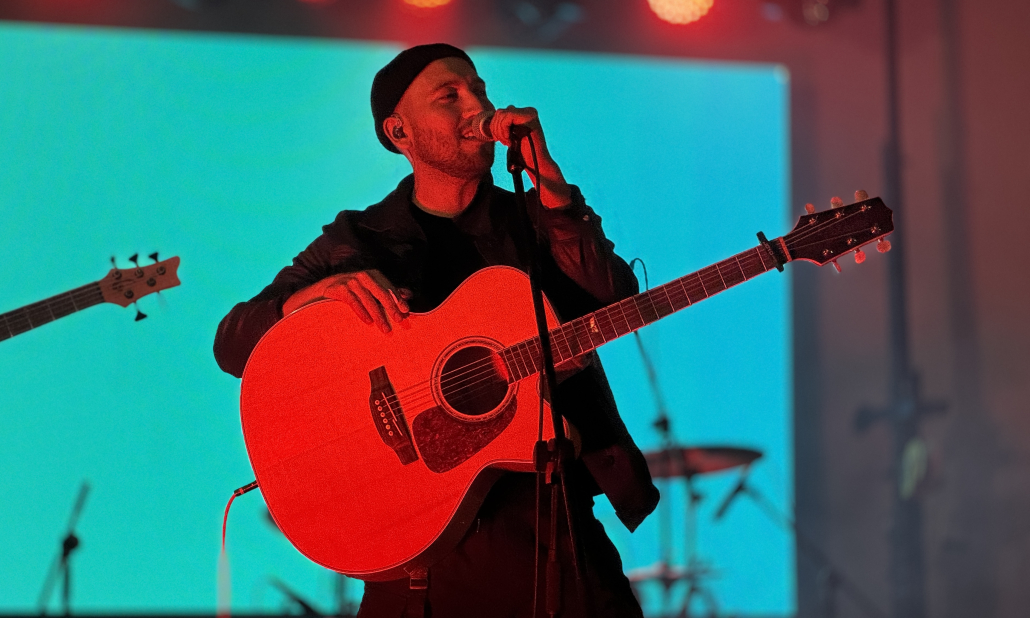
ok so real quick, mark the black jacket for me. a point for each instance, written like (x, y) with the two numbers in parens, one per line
(580, 274)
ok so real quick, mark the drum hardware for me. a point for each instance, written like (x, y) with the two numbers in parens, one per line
(676, 462)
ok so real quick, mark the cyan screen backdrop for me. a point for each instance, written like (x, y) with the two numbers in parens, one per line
(231, 152)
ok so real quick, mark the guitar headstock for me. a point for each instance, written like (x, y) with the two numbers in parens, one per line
(124, 286)
(823, 237)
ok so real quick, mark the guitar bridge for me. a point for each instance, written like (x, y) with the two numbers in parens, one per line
(388, 417)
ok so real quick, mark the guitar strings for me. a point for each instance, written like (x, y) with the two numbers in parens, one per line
(474, 371)
(603, 318)
(471, 374)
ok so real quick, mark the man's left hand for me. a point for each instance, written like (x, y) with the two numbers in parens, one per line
(550, 183)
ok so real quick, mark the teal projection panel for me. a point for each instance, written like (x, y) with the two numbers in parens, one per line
(231, 152)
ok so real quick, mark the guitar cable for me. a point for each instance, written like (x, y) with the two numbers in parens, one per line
(224, 583)
(238, 492)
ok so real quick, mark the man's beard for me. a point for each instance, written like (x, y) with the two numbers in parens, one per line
(445, 153)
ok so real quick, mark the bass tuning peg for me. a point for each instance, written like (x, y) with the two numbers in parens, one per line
(836, 202)
(134, 258)
(859, 256)
(861, 195)
(810, 208)
(883, 245)
(153, 256)
(140, 315)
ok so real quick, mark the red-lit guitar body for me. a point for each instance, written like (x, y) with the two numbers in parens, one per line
(333, 480)
(373, 451)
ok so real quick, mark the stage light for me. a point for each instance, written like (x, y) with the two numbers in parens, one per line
(427, 4)
(680, 11)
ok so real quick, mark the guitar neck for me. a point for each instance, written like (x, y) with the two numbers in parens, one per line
(593, 330)
(30, 316)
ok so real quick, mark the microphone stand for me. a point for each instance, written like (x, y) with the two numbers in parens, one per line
(61, 566)
(551, 457)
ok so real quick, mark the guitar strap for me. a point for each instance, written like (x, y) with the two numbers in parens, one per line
(418, 584)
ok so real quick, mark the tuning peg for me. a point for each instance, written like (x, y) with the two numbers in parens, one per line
(883, 245)
(113, 262)
(859, 256)
(140, 315)
(134, 258)
(836, 202)
(810, 208)
(153, 256)
(836, 265)
(861, 195)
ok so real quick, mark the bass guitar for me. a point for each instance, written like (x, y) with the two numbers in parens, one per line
(121, 286)
(374, 451)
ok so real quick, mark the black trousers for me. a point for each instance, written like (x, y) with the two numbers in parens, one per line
(490, 573)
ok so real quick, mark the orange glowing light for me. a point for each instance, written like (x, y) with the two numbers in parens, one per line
(680, 11)
(427, 4)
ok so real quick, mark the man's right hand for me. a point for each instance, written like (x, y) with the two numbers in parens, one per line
(372, 297)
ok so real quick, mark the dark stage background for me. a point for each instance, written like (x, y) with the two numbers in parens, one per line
(962, 87)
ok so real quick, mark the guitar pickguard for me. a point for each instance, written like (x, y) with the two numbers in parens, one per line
(446, 442)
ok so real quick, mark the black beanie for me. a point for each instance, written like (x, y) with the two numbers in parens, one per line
(393, 80)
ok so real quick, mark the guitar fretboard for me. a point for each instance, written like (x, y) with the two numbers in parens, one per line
(30, 316)
(593, 330)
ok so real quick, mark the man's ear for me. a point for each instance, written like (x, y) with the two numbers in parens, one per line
(393, 126)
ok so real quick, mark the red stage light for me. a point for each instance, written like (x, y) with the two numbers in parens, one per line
(680, 11)
(427, 4)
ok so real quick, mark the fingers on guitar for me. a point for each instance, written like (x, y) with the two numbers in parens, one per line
(349, 297)
(368, 294)
(382, 289)
(371, 297)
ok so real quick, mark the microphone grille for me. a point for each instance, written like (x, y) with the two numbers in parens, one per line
(481, 126)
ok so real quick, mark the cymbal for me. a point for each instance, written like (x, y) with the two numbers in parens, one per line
(658, 571)
(688, 461)
(667, 573)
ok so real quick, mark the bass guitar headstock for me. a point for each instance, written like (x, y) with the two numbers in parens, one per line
(124, 286)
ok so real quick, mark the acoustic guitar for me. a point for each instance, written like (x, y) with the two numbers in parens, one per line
(121, 286)
(374, 451)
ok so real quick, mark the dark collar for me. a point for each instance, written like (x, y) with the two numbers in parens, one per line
(392, 216)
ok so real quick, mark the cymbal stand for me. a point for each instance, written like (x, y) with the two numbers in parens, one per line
(664, 429)
(831, 578)
(695, 570)
(61, 566)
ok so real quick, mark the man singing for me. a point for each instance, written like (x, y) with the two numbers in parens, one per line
(408, 253)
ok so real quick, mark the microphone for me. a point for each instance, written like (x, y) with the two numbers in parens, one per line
(740, 488)
(479, 128)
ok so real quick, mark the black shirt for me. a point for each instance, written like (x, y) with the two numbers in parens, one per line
(450, 256)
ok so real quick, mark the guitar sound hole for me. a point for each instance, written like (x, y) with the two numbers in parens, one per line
(474, 381)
